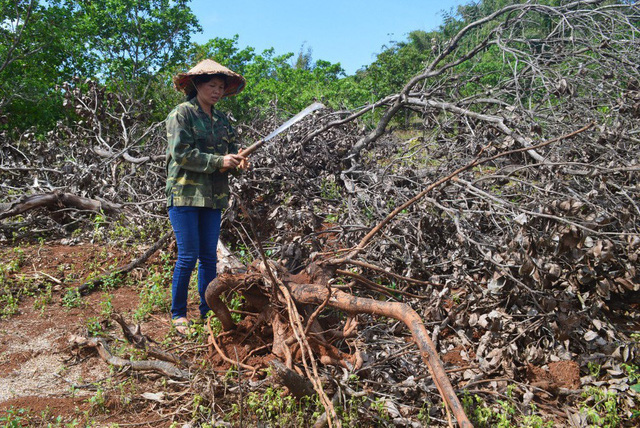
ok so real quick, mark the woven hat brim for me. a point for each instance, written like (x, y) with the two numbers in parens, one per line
(235, 82)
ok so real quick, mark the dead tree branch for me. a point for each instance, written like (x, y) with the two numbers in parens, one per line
(123, 270)
(162, 367)
(58, 200)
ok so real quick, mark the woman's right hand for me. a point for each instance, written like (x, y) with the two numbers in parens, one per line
(231, 161)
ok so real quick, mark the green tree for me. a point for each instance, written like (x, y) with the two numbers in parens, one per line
(133, 40)
(126, 44)
(39, 48)
(396, 64)
(304, 60)
(271, 79)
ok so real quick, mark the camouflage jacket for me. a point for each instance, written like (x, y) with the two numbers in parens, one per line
(195, 151)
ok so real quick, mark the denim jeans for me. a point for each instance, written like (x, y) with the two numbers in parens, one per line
(197, 230)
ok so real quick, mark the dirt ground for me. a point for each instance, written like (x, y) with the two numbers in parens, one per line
(40, 371)
(42, 374)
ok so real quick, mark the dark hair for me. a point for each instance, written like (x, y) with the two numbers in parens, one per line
(204, 78)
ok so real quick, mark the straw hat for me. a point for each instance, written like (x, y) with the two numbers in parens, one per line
(235, 82)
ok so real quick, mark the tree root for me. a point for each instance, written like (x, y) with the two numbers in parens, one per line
(136, 338)
(297, 294)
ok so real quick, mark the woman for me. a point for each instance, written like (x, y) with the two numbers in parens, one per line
(202, 147)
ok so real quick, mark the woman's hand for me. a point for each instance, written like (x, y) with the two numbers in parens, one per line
(232, 161)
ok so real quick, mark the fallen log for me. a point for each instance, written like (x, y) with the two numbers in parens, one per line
(136, 338)
(298, 386)
(58, 200)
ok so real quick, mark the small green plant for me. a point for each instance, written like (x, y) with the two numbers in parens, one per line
(9, 304)
(275, 408)
(601, 407)
(106, 306)
(126, 391)
(349, 413)
(235, 303)
(506, 415)
(94, 327)
(121, 233)
(379, 407)
(424, 415)
(535, 421)
(98, 401)
(594, 369)
(43, 298)
(153, 296)
(244, 254)
(216, 325)
(198, 410)
(111, 282)
(475, 407)
(198, 332)
(16, 259)
(369, 213)
(329, 189)
(99, 221)
(13, 418)
(632, 371)
(331, 218)
(72, 299)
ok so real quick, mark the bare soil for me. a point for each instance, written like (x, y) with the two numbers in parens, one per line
(40, 371)
(44, 376)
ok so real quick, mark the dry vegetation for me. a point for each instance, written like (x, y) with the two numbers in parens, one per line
(501, 207)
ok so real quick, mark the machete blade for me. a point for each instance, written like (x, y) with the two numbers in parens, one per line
(297, 118)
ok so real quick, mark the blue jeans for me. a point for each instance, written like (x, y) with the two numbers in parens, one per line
(197, 230)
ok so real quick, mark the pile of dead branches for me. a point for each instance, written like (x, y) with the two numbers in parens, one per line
(509, 219)
(506, 218)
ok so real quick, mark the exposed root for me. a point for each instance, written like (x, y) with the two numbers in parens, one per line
(304, 302)
(136, 338)
(212, 341)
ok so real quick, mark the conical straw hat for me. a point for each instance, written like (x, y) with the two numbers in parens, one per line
(235, 82)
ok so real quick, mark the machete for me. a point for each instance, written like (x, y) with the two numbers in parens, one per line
(297, 118)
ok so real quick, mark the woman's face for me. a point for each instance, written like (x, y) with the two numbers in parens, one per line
(211, 92)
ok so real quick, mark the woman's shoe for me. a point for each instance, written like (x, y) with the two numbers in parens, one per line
(181, 326)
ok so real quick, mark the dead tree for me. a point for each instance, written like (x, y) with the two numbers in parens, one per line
(557, 67)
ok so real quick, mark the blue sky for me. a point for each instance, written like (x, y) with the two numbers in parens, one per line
(350, 32)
